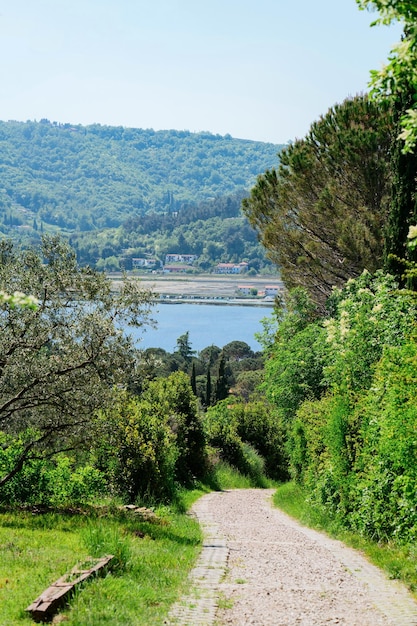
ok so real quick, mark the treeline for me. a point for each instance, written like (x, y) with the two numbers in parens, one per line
(215, 230)
(96, 183)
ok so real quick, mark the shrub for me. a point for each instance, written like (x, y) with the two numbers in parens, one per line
(241, 432)
(59, 481)
(140, 452)
(386, 461)
(151, 443)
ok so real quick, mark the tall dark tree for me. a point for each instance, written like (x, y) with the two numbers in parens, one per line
(209, 390)
(403, 207)
(321, 214)
(396, 82)
(193, 380)
(222, 387)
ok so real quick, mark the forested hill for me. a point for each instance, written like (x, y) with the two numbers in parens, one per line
(82, 180)
(70, 175)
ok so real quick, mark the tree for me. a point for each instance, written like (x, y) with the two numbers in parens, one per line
(237, 350)
(321, 214)
(60, 361)
(399, 75)
(184, 347)
(208, 387)
(222, 387)
(193, 380)
(396, 82)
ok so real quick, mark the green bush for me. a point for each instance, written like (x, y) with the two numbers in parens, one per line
(260, 426)
(59, 481)
(221, 432)
(386, 462)
(140, 453)
(175, 399)
(247, 437)
(151, 443)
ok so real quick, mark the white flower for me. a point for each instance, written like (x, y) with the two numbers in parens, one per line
(412, 232)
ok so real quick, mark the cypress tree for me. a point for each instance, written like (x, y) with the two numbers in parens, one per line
(222, 388)
(193, 380)
(208, 387)
(403, 208)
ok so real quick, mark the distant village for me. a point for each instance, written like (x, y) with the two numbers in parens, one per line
(177, 263)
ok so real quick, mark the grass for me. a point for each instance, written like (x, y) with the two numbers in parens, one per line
(153, 558)
(153, 561)
(227, 477)
(398, 561)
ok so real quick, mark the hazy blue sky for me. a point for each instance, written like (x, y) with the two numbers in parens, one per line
(257, 69)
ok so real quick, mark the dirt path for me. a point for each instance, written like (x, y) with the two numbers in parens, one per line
(260, 567)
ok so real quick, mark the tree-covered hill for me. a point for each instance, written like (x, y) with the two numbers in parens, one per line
(107, 187)
(95, 176)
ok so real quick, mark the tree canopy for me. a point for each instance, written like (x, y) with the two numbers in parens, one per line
(60, 361)
(399, 75)
(321, 213)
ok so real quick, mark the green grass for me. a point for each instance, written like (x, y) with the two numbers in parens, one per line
(150, 571)
(227, 477)
(398, 561)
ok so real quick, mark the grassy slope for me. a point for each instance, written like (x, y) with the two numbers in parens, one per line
(38, 549)
(154, 558)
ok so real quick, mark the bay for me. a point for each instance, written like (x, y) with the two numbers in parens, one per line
(207, 324)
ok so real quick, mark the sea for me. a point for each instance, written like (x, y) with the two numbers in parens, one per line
(207, 325)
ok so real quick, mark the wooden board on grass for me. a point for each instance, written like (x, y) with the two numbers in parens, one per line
(45, 606)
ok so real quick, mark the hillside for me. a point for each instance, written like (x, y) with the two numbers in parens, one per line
(115, 191)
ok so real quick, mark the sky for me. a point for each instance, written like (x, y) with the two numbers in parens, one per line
(255, 69)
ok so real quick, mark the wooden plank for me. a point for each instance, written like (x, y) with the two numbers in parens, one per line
(45, 606)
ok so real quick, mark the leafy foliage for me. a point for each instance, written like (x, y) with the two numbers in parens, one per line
(122, 192)
(321, 214)
(399, 75)
(396, 83)
(350, 431)
(232, 425)
(60, 361)
(150, 443)
(53, 482)
(294, 369)
(386, 463)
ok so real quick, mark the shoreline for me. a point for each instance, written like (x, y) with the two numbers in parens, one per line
(206, 288)
(214, 301)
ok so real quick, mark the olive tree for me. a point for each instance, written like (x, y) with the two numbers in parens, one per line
(60, 360)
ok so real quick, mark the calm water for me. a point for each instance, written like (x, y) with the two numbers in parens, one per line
(207, 324)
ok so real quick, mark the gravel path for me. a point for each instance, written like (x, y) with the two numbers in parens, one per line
(260, 567)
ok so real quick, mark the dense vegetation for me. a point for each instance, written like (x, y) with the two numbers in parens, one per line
(321, 213)
(344, 391)
(340, 365)
(121, 192)
(331, 402)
